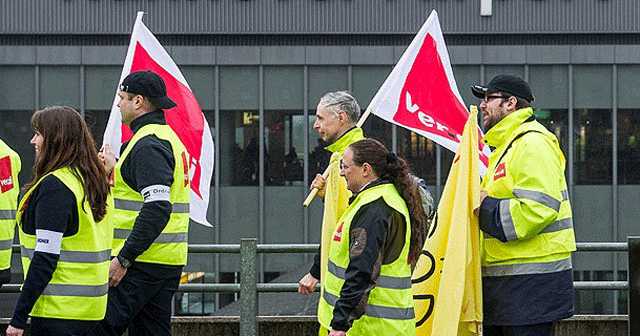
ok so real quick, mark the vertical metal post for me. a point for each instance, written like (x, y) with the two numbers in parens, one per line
(248, 287)
(305, 173)
(216, 187)
(634, 285)
(614, 181)
(261, 164)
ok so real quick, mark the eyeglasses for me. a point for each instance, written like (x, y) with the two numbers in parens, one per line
(488, 98)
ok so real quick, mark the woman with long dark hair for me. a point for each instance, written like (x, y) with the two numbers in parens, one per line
(376, 244)
(65, 240)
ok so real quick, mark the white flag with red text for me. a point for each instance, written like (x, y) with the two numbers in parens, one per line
(186, 119)
(421, 94)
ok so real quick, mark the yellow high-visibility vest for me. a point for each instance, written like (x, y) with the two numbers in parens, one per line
(79, 285)
(170, 247)
(9, 191)
(389, 309)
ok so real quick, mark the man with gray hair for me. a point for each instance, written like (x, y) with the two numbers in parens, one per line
(336, 117)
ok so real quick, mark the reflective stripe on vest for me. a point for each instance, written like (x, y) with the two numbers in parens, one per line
(530, 268)
(162, 238)
(7, 214)
(74, 256)
(381, 282)
(559, 225)
(377, 311)
(539, 197)
(76, 290)
(137, 206)
(6, 244)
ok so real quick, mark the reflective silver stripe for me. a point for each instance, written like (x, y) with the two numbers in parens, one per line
(508, 227)
(559, 225)
(391, 313)
(74, 256)
(179, 237)
(382, 281)
(532, 268)
(127, 205)
(137, 206)
(539, 197)
(7, 214)
(76, 290)
(180, 208)
(565, 195)
(6, 244)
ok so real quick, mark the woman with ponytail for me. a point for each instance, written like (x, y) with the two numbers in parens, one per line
(375, 247)
(65, 237)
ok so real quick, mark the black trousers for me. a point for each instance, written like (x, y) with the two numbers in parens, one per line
(543, 329)
(41, 326)
(140, 303)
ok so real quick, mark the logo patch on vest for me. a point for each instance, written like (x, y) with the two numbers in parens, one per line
(501, 171)
(6, 178)
(337, 236)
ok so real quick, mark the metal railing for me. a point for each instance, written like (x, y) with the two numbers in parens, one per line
(249, 287)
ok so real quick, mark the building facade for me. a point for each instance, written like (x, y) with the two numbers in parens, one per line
(258, 69)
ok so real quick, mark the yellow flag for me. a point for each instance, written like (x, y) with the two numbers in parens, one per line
(447, 286)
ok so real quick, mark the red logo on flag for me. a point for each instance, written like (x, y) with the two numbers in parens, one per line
(337, 236)
(6, 177)
(426, 96)
(501, 171)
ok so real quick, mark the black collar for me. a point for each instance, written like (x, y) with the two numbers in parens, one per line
(155, 117)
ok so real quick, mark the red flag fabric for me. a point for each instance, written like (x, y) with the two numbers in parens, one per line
(421, 94)
(186, 119)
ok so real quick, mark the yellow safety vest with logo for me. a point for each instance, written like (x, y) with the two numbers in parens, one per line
(526, 171)
(389, 309)
(9, 191)
(170, 247)
(79, 285)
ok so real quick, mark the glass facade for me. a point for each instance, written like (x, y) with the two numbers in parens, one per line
(261, 117)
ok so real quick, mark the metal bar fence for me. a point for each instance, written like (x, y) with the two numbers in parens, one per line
(249, 287)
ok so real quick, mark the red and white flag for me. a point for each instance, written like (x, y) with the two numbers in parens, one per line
(186, 119)
(421, 94)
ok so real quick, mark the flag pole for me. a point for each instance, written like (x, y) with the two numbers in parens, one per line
(314, 191)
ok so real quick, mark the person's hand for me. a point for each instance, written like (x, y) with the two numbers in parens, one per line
(107, 157)
(307, 284)
(483, 195)
(13, 331)
(116, 272)
(337, 333)
(319, 183)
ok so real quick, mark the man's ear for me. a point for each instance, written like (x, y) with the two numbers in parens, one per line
(367, 170)
(138, 101)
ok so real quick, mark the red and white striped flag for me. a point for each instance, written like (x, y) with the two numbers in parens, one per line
(186, 119)
(421, 94)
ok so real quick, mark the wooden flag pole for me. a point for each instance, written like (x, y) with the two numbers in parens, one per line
(314, 191)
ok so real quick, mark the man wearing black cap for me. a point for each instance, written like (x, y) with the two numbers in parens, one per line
(150, 215)
(525, 216)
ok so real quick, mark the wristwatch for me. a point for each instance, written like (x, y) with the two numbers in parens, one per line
(126, 263)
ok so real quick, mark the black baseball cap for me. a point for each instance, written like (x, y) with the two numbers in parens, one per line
(149, 85)
(505, 83)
